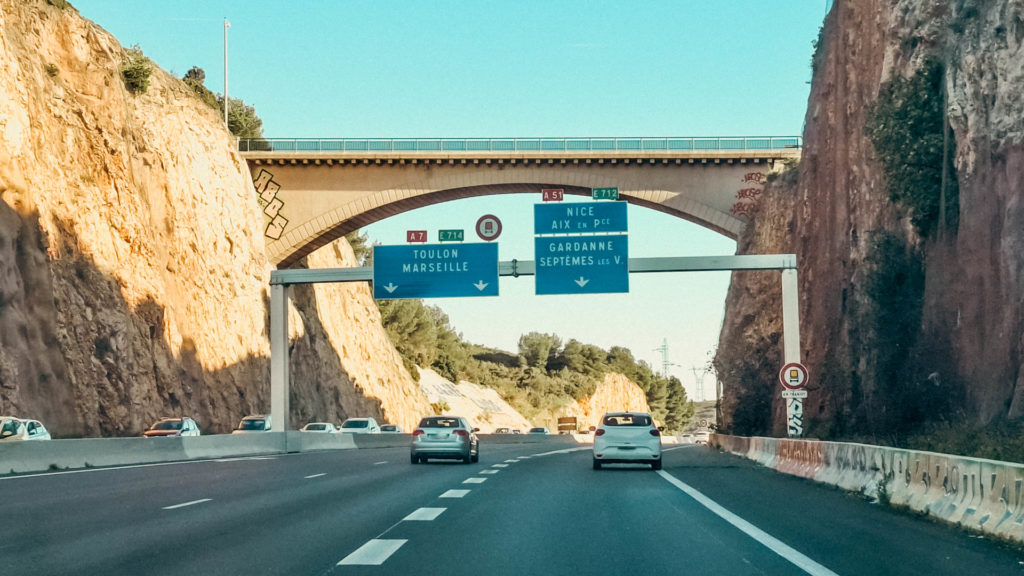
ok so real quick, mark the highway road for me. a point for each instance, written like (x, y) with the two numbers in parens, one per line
(524, 509)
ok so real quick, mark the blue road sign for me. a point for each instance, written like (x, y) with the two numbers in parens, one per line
(435, 270)
(582, 264)
(579, 217)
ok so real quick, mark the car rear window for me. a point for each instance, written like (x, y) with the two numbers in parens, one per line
(252, 424)
(627, 420)
(317, 427)
(388, 428)
(167, 425)
(356, 424)
(439, 423)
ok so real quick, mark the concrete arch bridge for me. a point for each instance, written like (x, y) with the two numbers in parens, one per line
(313, 191)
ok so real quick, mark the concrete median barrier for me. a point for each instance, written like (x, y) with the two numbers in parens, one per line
(982, 495)
(27, 457)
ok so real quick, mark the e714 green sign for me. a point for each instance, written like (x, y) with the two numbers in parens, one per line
(451, 235)
(605, 193)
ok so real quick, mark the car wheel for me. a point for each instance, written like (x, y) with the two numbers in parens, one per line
(467, 458)
(656, 465)
(597, 465)
(414, 459)
(476, 457)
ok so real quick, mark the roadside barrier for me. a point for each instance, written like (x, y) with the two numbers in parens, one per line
(983, 495)
(53, 455)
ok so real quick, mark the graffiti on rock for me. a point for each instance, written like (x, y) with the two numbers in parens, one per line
(266, 195)
(748, 195)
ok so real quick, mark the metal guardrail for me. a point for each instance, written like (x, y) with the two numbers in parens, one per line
(370, 145)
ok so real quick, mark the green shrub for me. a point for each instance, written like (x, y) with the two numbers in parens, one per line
(243, 121)
(906, 126)
(135, 70)
(60, 4)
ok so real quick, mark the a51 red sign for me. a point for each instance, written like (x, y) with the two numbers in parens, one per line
(552, 194)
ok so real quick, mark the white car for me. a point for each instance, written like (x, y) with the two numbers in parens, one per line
(702, 438)
(319, 427)
(627, 437)
(19, 429)
(360, 426)
(254, 423)
(390, 429)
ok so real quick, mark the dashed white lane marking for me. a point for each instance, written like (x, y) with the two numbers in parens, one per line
(373, 553)
(425, 514)
(316, 475)
(379, 463)
(511, 461)
(183, 504)
(474, 480)
(769, 541)
(454, 494)
(489, 471)
(565, 451)
(500, 466)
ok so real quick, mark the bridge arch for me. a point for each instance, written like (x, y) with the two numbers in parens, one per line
(311, 198)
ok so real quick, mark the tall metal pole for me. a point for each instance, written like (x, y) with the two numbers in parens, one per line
(791, 346)
(226, 26)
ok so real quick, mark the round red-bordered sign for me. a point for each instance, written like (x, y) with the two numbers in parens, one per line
(793, 376)
(488, 227)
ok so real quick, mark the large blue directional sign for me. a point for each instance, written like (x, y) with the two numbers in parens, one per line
(582, 264)
(579, 217)
(435, 270)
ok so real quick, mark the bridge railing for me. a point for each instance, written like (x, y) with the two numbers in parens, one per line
(731, 144)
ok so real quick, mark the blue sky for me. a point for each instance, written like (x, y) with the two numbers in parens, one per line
(513, 68)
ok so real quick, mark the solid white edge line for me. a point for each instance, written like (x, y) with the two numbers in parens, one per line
(316, 475)
(183, 504)
(424, 514)
(373, 553)
(766, 539)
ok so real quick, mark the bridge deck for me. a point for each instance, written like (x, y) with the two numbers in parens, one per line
(690, 150)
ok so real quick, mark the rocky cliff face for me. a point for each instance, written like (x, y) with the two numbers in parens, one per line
(615, 393)
(898, 327)
(132, 269)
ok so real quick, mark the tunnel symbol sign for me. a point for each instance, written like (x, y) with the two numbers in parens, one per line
(793, 376)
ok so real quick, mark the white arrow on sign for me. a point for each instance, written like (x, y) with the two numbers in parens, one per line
(391, 287)
(480, 285)
(582, 281)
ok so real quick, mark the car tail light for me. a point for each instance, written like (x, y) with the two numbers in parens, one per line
(417, 432)
(461, 433)
(600, 432)
(654, 432)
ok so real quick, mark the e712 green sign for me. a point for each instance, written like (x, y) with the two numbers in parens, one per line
(605, 193)
(451, 235)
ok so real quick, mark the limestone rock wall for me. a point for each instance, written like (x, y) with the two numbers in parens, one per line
(133, 279)
(968, 348)
(615, 393)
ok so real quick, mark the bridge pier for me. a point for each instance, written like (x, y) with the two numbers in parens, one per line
(280, 296)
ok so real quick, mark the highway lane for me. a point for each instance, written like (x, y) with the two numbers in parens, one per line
(547, 514)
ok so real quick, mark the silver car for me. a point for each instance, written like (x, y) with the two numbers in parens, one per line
(448, 437)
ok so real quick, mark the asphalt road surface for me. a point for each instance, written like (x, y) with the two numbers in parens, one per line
(524, 509)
